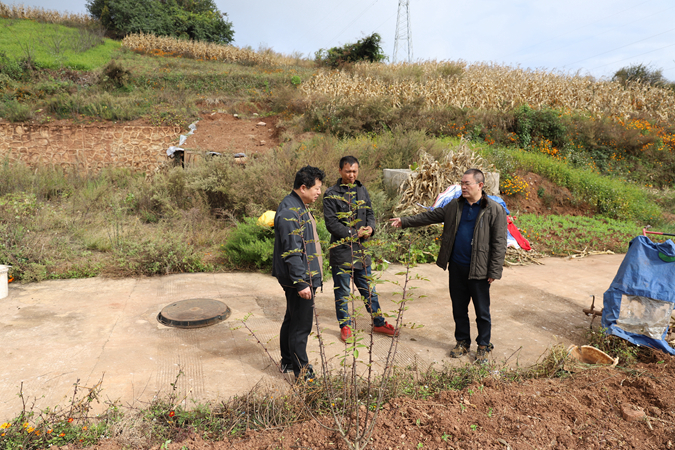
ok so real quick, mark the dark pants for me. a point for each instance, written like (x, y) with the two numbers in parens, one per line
(342, 279)
(295, 329)
(462, 291)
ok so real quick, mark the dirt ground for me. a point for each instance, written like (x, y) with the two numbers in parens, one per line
(224, 133)
(589, 409)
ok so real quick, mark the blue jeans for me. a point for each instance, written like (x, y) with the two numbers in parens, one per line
(342, 283)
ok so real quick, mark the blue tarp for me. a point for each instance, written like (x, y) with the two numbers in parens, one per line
(454, 191)
(645, 271)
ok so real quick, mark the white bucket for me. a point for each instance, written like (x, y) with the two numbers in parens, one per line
(4, 286)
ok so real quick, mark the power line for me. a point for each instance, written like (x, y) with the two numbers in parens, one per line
(620, 26)
(619, 48)
(385, 21)
(576, 29)
(354, 21)
(338, 5)
(634, 56)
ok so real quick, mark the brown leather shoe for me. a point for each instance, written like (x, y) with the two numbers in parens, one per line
(461, 349)
(482, 353)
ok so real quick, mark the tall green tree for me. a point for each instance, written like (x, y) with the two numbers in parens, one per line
(188, 19)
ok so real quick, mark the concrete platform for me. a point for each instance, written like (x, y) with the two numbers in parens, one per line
(55, 333)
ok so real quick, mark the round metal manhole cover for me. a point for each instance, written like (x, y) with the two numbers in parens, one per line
(194, 313)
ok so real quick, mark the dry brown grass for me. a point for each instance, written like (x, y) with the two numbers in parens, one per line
(44, 15)
(164, 45)
(487, 86)
(209, 51)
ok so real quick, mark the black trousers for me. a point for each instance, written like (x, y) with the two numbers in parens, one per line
(462, 291)
(295, 329)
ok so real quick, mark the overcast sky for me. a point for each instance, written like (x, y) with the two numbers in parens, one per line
(595, 37)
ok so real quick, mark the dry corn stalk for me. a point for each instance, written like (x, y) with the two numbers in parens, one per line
(432, 177)
(488, 86)
(583, 253)
(520, 257)
(149, 43)
(43, 15)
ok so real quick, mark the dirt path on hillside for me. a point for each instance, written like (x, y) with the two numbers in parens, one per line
(225, 133)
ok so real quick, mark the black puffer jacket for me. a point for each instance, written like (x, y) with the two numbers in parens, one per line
(488, 247)
(338, 228)
(292, 270)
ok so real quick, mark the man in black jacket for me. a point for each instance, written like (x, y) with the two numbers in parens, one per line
(297, 265)
(347, 256)
(473, 245)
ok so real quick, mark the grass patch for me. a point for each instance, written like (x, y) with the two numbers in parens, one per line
(567, 235)
(55, 224)
(612, 197)
(54, 46)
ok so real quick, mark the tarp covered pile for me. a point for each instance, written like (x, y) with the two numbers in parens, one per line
(639, 302)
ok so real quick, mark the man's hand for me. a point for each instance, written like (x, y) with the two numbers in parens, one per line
(365, 232)
(306, 293)
(490, 280)
(396, 222)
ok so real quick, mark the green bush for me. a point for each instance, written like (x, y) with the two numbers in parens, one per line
(366, 49)
(539, 123)
(11, 67)
(250, 245)
(159, 255)
(15, 111)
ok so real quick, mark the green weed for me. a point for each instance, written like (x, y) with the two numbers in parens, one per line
(613, 198)
(567, 235)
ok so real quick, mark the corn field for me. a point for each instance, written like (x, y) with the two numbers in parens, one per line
(163, 45)
(487, 86)
(43, 15)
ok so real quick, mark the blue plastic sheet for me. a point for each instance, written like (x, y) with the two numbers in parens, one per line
(644, 272)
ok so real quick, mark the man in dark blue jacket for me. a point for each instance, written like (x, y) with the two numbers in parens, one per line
(473, 246)
(343, 204)
(297, 265)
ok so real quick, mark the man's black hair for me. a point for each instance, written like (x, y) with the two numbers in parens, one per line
(477, 175)
(307, 176)
(351, 160)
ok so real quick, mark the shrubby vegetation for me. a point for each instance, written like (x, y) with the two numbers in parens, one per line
(586, 152)
(640, 73)
(367, 49)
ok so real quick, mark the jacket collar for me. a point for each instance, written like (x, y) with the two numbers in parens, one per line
(483, 199)
(294, 195)
(343, 187)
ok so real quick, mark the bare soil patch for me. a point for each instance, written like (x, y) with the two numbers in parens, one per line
(545, 198)
(224, 133)
(590, 409)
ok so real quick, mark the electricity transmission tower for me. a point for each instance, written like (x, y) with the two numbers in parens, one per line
(403, 31)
